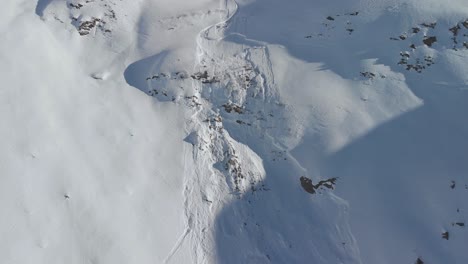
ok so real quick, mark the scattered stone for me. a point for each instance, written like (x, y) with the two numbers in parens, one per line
(455, 30)
(452, 185)
(330, 18)
(111, 14)
(240, 122)
(419, 261)
(306, 183)
(204, 78)
(77, 6)
(405, 54)
(86, 26)
(205, 199)
(429, 25)
(416, 30)
(430, 40)
(460, 224)
(445, 235)
(180, 75)
(199, 75)
(232, 107)
(368, 75)
(218, 119)
(465, 24)
(309, 187)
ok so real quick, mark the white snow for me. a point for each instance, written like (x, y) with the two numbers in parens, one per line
(156, 131)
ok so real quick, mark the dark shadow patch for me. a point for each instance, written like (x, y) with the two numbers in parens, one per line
(136, 73)
(41, 6)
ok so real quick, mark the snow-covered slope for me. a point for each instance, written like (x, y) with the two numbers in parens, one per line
(247, 131)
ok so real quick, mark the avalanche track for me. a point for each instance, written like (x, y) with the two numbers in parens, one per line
(233, 169)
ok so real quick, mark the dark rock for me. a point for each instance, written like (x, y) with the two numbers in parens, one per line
(429, 25)
(306, 183)
(465, 24)
(369, 75)
(455, 30)
(309, 187)
(86, 26)
(416, 30)
(445, 235)
(232, 107)
(77, 6)
(430, 40)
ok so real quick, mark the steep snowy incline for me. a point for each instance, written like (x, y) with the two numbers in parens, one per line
(378, 90)
(92, 170)
(247, 131)
(244, 137)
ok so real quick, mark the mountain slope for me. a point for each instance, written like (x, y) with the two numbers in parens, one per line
(234, 131)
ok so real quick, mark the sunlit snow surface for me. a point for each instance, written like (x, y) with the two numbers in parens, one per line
(171, 131)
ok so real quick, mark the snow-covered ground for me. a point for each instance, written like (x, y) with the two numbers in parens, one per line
(246, 131)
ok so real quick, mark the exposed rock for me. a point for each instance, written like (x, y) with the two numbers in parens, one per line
(369, 75)
(465, 24)
(430, 40)
(429, 25)
(445, 235)
(232, 107)
(309, 187)
(455, 30)
(77, 6)
(86, 26)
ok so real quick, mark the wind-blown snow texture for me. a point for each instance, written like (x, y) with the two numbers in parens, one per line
(247, 131)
